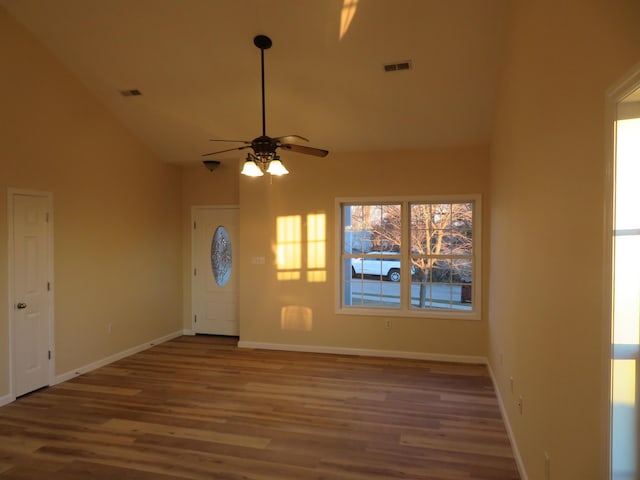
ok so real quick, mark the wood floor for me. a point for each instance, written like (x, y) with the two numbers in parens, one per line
(199, 408)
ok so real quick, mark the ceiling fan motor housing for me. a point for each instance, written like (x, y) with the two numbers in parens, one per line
(264, 145)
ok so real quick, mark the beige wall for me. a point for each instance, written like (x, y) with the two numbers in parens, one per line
(547, 186)
(312, 187)
(117, 245)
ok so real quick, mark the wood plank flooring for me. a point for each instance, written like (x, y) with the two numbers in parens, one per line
(200, 408)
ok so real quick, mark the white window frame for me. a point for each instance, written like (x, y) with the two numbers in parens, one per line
(405, 309)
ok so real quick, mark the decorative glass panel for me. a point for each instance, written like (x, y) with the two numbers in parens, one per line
(221, 256)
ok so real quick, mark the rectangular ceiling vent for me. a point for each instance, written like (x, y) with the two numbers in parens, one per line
(131, 93)
(395, 67)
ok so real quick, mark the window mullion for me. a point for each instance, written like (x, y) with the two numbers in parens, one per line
(405, 256)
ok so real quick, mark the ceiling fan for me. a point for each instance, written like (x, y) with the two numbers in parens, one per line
(264, 157)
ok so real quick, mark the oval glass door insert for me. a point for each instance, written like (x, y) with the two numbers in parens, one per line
(221, 256)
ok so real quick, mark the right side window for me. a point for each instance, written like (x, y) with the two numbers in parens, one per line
(442, 255)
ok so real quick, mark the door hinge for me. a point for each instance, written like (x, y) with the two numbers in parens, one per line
(194, 225)
(46, 217)
(48, 286)
(195, 318)
(195, 272)
(49, 354)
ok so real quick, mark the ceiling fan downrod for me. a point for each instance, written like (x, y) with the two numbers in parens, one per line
(263, 43)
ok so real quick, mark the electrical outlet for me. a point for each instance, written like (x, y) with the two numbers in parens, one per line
(109, 328)
(520, 404)
(387, 323)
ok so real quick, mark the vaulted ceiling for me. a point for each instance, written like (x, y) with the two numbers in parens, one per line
(198, 70)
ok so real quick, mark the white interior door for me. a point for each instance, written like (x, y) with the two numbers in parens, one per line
(215, 270)
(30, 288)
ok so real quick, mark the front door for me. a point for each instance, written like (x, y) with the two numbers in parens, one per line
(215, 270)
(30, 258)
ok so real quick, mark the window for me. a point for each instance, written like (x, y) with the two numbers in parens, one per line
(415, 257)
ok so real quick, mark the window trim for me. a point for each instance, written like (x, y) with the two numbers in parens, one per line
(405, 309)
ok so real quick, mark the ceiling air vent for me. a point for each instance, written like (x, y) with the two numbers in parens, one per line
(130, 93)
(394, 67)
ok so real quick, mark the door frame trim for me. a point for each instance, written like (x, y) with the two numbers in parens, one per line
(11, 192)
(194, 209)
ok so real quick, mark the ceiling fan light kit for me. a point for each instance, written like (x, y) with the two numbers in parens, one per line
(251, 168)
(264, 158)
(276, 167)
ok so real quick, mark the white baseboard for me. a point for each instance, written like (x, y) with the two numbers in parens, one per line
(112, 358)
(189, 332)
(507, 424)
(6, 399)
(437, 357)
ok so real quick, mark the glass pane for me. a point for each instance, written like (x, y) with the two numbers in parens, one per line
(440, 215)
(462, 224)
(421, 294)
(624, 420)
(626, 304)
(426, 294)
(221, 256)
(420, 268)
(461, 270)
(441, 271)
(442, 284)
(442, 229)
(362, 291)
(385, 265)
(371, 228)
(627, 174)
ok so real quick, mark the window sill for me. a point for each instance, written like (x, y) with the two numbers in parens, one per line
(397, 312)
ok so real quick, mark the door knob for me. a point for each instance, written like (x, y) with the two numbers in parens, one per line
(21, 305)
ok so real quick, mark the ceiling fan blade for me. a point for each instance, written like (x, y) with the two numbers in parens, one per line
(318, 152)
(290, 138)
(227, 150)
(236, 141)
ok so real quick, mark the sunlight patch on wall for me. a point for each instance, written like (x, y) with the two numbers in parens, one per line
(316, 248)
(347, 13)
(296, 318)
(288, 247)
